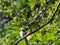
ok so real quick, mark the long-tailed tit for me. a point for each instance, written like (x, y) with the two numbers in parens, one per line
(22, 34)
(38, 16)
(33, 22)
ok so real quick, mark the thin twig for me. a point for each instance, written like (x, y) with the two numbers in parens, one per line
(26, 41)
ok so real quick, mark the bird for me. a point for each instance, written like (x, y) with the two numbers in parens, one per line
(22, 34)
(33, 22)
(38, 16)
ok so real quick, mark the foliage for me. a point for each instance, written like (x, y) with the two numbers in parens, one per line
(22, 12)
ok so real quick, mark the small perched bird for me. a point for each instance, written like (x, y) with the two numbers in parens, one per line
(38, 16)
(22, 34)
(33, 22)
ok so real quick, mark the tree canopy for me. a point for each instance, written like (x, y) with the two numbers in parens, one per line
(39, 18)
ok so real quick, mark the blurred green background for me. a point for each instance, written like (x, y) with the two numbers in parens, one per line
(15, 14)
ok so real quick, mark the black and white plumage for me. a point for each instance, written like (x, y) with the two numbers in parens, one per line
(38, 16)
(22, 33)
(33, 22)
(36, 19)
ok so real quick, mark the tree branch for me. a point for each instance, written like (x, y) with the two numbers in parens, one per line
(40, 26)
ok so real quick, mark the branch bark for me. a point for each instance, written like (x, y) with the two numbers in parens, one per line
(40, 26)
